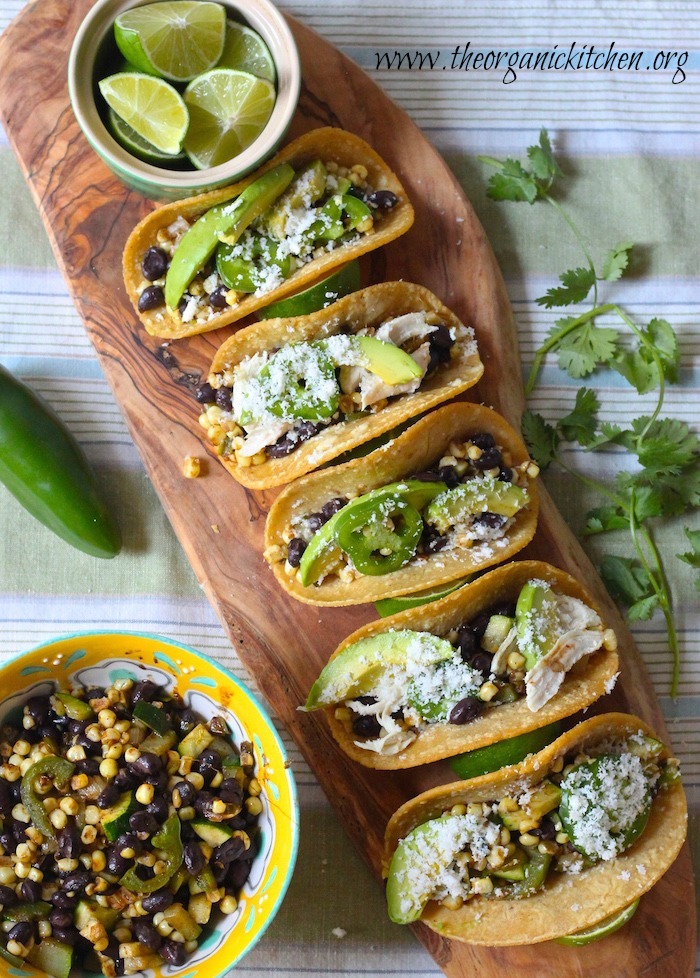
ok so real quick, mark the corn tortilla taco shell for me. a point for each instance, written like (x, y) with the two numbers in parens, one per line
(588, 680)
(567, 903)
(416, 450)
(368, 307)
(327, 144)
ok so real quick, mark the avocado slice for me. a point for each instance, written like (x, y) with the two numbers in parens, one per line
(308, 187)
(458, 505)
(389, 362)
(228, 220)
(352, 672)
(536, 621)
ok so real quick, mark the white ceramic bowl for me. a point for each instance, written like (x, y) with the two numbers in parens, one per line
(94, 37)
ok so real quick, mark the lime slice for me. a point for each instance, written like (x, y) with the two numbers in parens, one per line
(392, 606)
(175, 39)
(228, 111)
(137, 145)
(319, 295)
(606, 927)
(483, 760)
(150, 106)
(245, 50)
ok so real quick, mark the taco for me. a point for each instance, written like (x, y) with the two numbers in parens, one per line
(201, 263)
(520, 647)
(545, 848)
(452, 495)
(288, 395)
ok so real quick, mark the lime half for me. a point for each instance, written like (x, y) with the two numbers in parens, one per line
(606, 927)
(483, 760)
(175, 39)
(137, 145)
(319, 295)
(150, 106)
(228, 111)
(245, 50)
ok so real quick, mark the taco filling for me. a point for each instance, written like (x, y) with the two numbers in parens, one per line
(271, 402)
(388, 688)
(288, 218)
(592, 806)
(468, 501)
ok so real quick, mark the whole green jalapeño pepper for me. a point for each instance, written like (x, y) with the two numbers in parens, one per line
(380, 539)
(56, 768)
(169, 842)
(42, 465)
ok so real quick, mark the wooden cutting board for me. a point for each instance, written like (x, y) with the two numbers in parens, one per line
(284, 644)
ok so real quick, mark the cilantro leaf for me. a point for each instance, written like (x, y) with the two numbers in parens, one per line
(616, 261)
(541, 438)
(692, 556)
(629, 584)
(576, 283)
(668, 446)
(639, 365)
(513, 182)
(603, 519)
(584, 349)
(580, 423)
(542, 163)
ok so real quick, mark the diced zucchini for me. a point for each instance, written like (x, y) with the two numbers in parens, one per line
(224, 747)
(545, 799)
(115, 820)
(230, 763)
(159, 743)
(52, 956)
(87, 910)
(212, 832)
(513, 869)
(153, 716)
(28, 911)
(75, 708)
(496, 632)
(179, 919)
(203, 882)
(195, 741)
(199, 908)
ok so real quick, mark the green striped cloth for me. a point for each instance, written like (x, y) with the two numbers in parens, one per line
(629, 141)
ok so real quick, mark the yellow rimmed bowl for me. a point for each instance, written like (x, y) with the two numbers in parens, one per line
(94, 49)
(99, 659)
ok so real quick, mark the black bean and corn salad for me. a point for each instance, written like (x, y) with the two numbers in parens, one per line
(128, 825)
(271, 402)
(390, 686)
(307, 213)
(592, 806)
(469, 500)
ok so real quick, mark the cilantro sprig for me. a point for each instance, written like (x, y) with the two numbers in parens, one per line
(665, 482)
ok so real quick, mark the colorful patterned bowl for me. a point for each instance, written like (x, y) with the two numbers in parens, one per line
(98, 659)
(153, 181)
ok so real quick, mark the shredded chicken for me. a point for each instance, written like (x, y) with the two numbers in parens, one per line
(547, 675)
(261, 434)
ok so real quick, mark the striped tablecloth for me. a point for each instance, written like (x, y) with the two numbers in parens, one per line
(628, 138)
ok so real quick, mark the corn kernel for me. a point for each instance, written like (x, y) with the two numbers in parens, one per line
(191, 468)
(145, 793)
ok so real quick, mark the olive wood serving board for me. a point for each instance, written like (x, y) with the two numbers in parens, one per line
(88, 215)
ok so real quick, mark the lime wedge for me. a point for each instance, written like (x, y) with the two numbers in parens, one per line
(317, 296)
(245, 50)
(228, 111)
(150, 106)
(175, 39)
(603, 929)
(483, 760)
(392, 606)
(137, 145)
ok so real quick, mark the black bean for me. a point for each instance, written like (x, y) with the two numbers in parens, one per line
(431, 475)
(491, 458)
(481, 662)
(6, 805)
(483, 440)
(441, 337)
(193, 858)
(210, 758)
(186, 791)
(7, 896)
(76, 881)
(366, 726)
(157, 902)
(217, 298)
(205, 394)
(332, 507)
(545, 830)
(116, 864)
(158, 809)
(76, 727)
(173, 952)
(89, 746)
(125, 780)
(223, 398)
(466, 641)
(18, 830)
(448, 475)
(143, 822)
(21, 932)
(145, 933)
(60, 918)
(144, 690)
(203, 803)
(505, 474)
(37, 707)
(66, 935)
(492, 520)
(433, 543)
(479, 624)
(151, 298)
(356, 192)
(89, 766)
(108, 796)
(147, 765)
(185, 721)
(218, 726)
(287, 443)
(8, 842)
(367, 700)
(30, 891)
(295, 551)
(238, 874)
(229, 851)
(127, 840)
(154, 264)
(68, 842)
(230, 791)
(64, 901)
(466, 710)
(383, 199)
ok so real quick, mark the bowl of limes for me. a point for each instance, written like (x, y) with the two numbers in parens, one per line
(182, 96)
